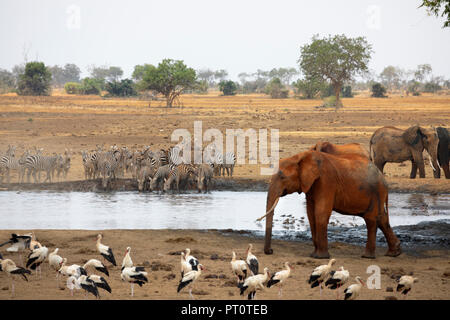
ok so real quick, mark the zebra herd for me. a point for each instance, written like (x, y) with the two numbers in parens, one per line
(32, 162)
(153, 170)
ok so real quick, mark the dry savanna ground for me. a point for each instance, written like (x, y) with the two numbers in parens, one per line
(81, 122)
(159, 251)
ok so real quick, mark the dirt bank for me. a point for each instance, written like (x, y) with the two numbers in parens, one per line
(158, 251)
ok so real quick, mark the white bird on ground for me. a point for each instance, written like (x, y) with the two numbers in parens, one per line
(100, 282)
(320, 274)
(252, 261)
(280, 277)
(352, 292)
(88, 285)
(35, 259)
(239, 268)
(189, 279)
(73, 283)
(405, 284)
(127, 262)
(54, 260)
(193, 261)
(72, 270)
(251, 284)
(18, 243)
(34, 244)
(97, 265)
(8, 266)
(134, 275)
(105, 251)
(337, 279)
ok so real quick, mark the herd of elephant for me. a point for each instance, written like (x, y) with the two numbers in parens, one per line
(349, 180)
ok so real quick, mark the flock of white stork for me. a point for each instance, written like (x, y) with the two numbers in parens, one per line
(246, 271)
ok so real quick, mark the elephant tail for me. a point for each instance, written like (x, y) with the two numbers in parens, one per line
(370, 151)
(386, 205)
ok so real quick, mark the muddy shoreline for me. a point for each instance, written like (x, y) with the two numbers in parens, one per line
(220, 184)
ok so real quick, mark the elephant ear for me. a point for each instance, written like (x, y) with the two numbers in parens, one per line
(412, 135)
(308, 171)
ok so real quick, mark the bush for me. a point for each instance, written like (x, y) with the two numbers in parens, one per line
(35, 81)
(73, 87)
(124, 88)
(431, 87)
(276, 89)
(309, 89)
(201, 87)
(378, 91)
(347, 92)
(228, 88)
(329, 102)
(91, 86)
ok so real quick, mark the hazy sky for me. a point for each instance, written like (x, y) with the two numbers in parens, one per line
(239, 36)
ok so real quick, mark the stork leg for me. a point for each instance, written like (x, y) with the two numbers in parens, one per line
(132, 289)
(190, 294)
(12, 287)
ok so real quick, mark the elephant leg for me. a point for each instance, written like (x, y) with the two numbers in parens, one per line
(312, 222)
(393, 242)
(371, 236)
(437, 173)
(421, 165)
(445, 167)
(413, 170)
(322, 213)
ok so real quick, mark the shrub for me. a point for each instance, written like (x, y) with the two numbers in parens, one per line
(201, 87)
(276, 89)
(309, 89)
(329, 102)
(228, 88)
(90, 86)
(431, 87)
(124, 88)
(347, 92)
(378, 90)
(35, 81)
(72, 87)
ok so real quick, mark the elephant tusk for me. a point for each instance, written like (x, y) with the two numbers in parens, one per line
(273, 207)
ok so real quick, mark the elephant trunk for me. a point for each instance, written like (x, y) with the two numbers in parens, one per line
(272, 200)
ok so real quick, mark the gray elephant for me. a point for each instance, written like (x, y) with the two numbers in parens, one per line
(443, 153)
(390, 144)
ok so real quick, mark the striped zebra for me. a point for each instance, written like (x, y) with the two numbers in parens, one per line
(63, 165)
(37, 163)
(179, 175)
(107, 164)
(144, 177)
(10, 163)
(204, 174)
(160, 176)
(88, 165)
(226, 162)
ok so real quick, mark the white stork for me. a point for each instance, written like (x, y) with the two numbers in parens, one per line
(320, 274)
(72, 270)
(18, 243)
(73, 283)
(252, 261)
(100, 282)
(8, 266)
(251, 284)
(97, 265)
(189, 279)
(134, 275)
(239, 268)
(54, 260)
(337, 279)
(127, 262)
(193, 261)
(88, 285)
(280, 277)
(405, 284)
(105, 251)
(35, 259)
(352, 292)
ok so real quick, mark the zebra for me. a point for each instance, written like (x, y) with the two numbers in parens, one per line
(107, 165)
(226, 162)
(161, 174)
(179, 174)
(88, 165)
(204, 173)
(37, 163)
(63, 164)
(144, 177)
(8, 163)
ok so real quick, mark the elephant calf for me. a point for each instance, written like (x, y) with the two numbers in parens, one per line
(348, 184)
(336, 149)
(390, 144)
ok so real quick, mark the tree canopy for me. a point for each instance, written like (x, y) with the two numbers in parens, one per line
(170, 78)
(35, 81)
(336, 59)
(438, 7)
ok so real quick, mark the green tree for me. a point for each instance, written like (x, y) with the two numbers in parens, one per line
(228, 88)
(35, 81)
(123, 88)
(391, 77)
(73, 87)
(378, 90)
(170, 78)
(91, 86)
(276, 89)
(436, 6)
(309, 88)
(337, 59)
